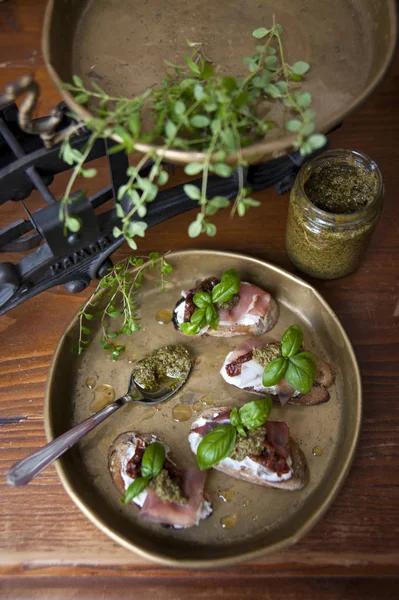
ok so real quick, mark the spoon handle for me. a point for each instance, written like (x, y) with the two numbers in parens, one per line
(28, 468)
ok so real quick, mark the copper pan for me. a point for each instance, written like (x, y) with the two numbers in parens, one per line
(121, 45)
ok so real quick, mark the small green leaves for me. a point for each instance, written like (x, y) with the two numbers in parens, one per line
(192, 66)
(195, 228)
(73, 224)
(170, 129)
(254, 414)
(202, 299)
(135, 488)
(153, 460)
(261, 32)
(199, 93)
(291, 341)
(216, 446)
(217, 203)
(192, 191)
(77, 81)
(151, 465)
(180, 108)
(274, 371)
(193, 168)
(293, 125)
(222, 170)
(229, 285)
(303, 99)
(317, 141)
(219, 443)
(235, 420)
(200, 121)
(301, 371)
(195, 108)
(299, 368)
(300, 67)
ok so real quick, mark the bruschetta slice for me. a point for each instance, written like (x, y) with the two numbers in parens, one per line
(268, 456)
(244, 366)
(174, 498)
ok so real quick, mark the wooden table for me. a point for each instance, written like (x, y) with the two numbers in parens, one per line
(50, 550)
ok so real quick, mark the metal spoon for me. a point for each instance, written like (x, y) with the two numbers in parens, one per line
(30, 467)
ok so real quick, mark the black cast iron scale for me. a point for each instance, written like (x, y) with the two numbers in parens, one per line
(28, 163)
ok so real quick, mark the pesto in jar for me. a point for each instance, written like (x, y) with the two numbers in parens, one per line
(334, 207)
(170, 364)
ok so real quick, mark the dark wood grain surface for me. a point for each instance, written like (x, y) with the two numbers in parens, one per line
(47, 547)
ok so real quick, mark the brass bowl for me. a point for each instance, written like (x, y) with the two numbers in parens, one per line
(122, 44)
(267, 519)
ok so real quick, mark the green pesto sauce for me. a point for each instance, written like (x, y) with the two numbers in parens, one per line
(167, 489)
(230, 304)
(252, 444)
(170, 364)
(329, 250)
(340, 189)
(267, 353)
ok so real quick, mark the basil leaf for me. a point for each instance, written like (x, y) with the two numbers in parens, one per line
(198, 317)
(229, 285)
(202, 299)
(135, 488)
(189, 328)
(212, 316)
(255, 413)
(274, 371)
(235, 417)
(153, 460)
(215, 446)
(301, 371)
(291, 341)
(236, 421)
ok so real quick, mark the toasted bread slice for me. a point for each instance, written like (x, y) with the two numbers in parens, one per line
(263, 325)
(318, 394)
(300, 472)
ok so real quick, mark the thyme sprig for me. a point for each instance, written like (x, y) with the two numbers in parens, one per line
(195, 108)
(121, 312)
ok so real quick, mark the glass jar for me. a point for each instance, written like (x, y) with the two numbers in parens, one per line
(328, 245)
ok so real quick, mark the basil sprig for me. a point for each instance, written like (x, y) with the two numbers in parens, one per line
(207, 303)
(151, 465)
(299, 368)
(219, 443)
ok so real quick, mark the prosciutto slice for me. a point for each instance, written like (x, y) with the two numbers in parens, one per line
(178, 515)
(253, 301)
(284, 391)
(278, 435)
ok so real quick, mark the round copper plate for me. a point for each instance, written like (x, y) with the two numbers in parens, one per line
(267, 519)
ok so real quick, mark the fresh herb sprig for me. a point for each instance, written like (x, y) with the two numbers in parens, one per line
(299, 368)
(219, 443)
(120, 289)
(151, 465)
(194, 109)
(208, 303)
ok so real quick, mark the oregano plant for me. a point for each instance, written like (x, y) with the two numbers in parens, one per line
(195, 108)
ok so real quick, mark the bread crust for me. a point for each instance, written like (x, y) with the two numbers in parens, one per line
(300, 475)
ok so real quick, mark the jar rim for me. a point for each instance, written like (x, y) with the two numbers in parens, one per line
(325, 216)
